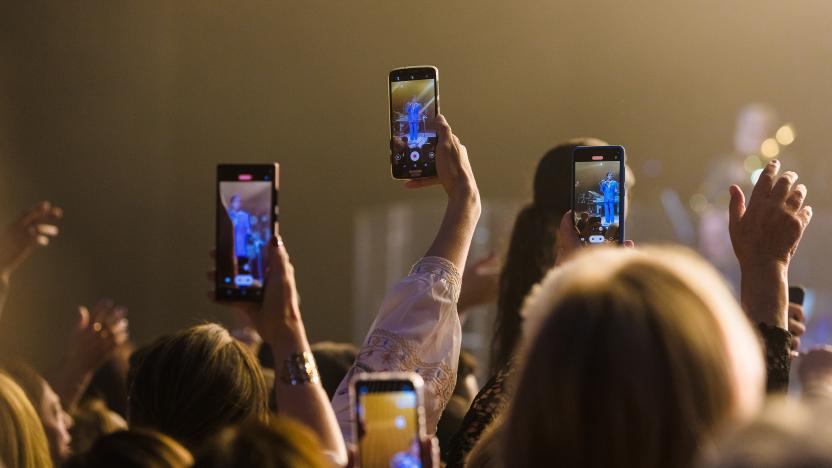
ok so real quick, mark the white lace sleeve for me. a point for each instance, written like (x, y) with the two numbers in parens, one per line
(417, 330)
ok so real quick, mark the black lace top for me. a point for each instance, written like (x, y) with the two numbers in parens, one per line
(495, 394)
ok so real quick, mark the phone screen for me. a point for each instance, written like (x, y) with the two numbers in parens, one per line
(598, 197)
(413, 110)
(388, 424)
(246, 216)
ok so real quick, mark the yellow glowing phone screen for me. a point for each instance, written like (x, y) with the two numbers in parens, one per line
(388, 429)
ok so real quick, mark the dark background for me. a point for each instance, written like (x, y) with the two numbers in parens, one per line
(119, 111)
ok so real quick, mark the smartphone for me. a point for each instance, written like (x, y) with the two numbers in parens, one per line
(389, 418)
(414, 105)
(247, 212)
(797, 294)
(598, 198)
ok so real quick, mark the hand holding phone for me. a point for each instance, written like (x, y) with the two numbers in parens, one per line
(389, 419)
(414, 106)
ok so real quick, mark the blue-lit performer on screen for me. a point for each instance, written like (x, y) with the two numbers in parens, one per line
(413, 109)
(609, 188)
(242, 229)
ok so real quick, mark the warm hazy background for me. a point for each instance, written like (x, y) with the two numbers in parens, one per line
(119, 110)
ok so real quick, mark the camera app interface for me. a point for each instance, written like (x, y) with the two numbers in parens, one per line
(245, 230)
(412, 119)
(388, 432)
(598, 201)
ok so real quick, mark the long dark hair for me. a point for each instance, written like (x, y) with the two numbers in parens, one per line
(531, 251)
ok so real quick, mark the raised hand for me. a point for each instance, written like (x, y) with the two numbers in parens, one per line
(452, 166)
(765, 235)
(35, 228)
(98, 333)
(279, 313)
(770, 227)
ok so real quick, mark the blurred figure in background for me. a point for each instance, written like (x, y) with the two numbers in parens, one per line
(788, 433)
(54, 419)
(22, 439)
(133, 449)
(279, 443)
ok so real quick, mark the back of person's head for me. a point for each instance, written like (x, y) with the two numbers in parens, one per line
(531, 251)
(280, 442)
(788, 432)
(137, 448)
(634, 358)
(334, 360)
(92, 420)
(22, 439)
(192, 383)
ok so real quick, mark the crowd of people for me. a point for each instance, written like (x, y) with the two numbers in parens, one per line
(601, 356)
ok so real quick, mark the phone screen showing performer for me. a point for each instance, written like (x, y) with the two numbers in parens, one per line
(598, 200)
(246, 220)
(388, 423)
(414, 105)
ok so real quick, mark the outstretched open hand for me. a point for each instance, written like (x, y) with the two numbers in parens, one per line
(98, 332)
(770, 227)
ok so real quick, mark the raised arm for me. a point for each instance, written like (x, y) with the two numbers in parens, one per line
(417, 328)
(765, 235)
(463, 210)
(35, 228)
(297, 386)
(98, 334)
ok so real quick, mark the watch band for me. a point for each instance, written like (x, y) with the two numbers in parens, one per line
(300, 368)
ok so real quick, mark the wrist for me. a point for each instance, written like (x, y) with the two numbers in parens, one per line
(764, 293)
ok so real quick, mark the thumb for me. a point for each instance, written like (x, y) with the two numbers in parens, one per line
(736, 209)
(82, 318)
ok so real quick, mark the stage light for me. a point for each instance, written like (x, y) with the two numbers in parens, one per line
(698, 203)
(785, 135)
(770, 149)
(756, 175)
(752, 163)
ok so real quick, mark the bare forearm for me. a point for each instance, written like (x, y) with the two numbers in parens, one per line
(454, 237)
(306, 402)
(764, 293)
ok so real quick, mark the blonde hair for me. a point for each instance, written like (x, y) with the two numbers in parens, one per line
(635, 358)
(22, 439)
(195, 382)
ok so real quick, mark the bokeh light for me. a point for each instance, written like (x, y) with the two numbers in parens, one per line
(785, 135)
(770, 149)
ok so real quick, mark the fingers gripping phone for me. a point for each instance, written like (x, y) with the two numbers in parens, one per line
(414, 106)
(598, 198)
(247, 212)
(389, 419)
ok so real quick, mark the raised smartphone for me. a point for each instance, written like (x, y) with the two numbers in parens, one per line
(389, 418)
(246, 221)
(598, 199)
(414, 105)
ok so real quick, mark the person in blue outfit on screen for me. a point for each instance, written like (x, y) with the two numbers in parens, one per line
(609, 188)
(413, 109)
(242, 229)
